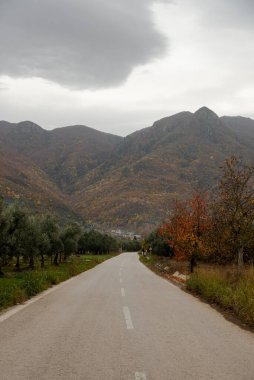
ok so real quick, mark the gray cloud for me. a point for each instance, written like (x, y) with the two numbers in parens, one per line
(78, 43)
(232, 14)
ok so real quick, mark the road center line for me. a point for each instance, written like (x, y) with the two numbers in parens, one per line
(127, 316)
(140, 376)
(123, 292)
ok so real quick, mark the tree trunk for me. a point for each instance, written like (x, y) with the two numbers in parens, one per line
(17, 266)
(42, 262)
(31, 263)
(193, 263)
(56, 259)
(240, 258)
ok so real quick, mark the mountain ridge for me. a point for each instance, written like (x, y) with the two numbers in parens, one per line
(120, 181)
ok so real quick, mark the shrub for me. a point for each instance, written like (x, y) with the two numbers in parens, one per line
(52, 278)
(6, 294)
(73, 268)
(33, 283)
(19, 296)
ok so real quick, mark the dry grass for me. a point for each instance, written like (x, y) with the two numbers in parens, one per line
(220, 285)
(228, 288)
(164, 264)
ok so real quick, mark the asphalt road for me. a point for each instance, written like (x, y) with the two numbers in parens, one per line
(119, 321)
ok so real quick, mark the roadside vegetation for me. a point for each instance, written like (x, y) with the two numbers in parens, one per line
(130, 245)
(211, 241)
(227, 288)
(17, 287)
(37, 252)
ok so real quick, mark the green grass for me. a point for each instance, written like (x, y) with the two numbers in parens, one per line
(226, 288)
(18, 287)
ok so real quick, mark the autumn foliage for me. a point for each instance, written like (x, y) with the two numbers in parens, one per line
(187, 228)
(222, 230)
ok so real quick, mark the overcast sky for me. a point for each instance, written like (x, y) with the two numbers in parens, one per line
(119, 65)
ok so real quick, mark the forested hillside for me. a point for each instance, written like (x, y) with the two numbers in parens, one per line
(113, 181)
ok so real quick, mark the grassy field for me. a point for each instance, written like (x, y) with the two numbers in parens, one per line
(221, 285)
(18, 287)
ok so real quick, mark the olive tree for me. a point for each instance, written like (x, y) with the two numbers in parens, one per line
(4, 237)
(70, 236)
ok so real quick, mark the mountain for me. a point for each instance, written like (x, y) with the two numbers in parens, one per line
(175, 157)
(113, 181)
(41, 166)
(242, 126)
(64, 154)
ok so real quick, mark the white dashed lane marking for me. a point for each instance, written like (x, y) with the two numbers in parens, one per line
(123, 292)
(121, 280)
(127, 316)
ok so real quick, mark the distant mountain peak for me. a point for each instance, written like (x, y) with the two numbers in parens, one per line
(205, 113)
(28, 124)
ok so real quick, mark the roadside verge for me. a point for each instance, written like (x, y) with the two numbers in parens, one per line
(17, 288)
(222, 288)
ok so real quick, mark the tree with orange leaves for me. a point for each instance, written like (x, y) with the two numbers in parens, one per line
(187, 228)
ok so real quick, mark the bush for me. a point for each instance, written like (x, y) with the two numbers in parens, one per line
(73, 269)
(244, 299)
(34, 283)
(19, 296)
(6, 294)
(52, 278)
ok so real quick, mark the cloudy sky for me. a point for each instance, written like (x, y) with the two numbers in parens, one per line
(119, 65)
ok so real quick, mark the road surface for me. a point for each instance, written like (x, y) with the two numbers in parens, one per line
(120, 321)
